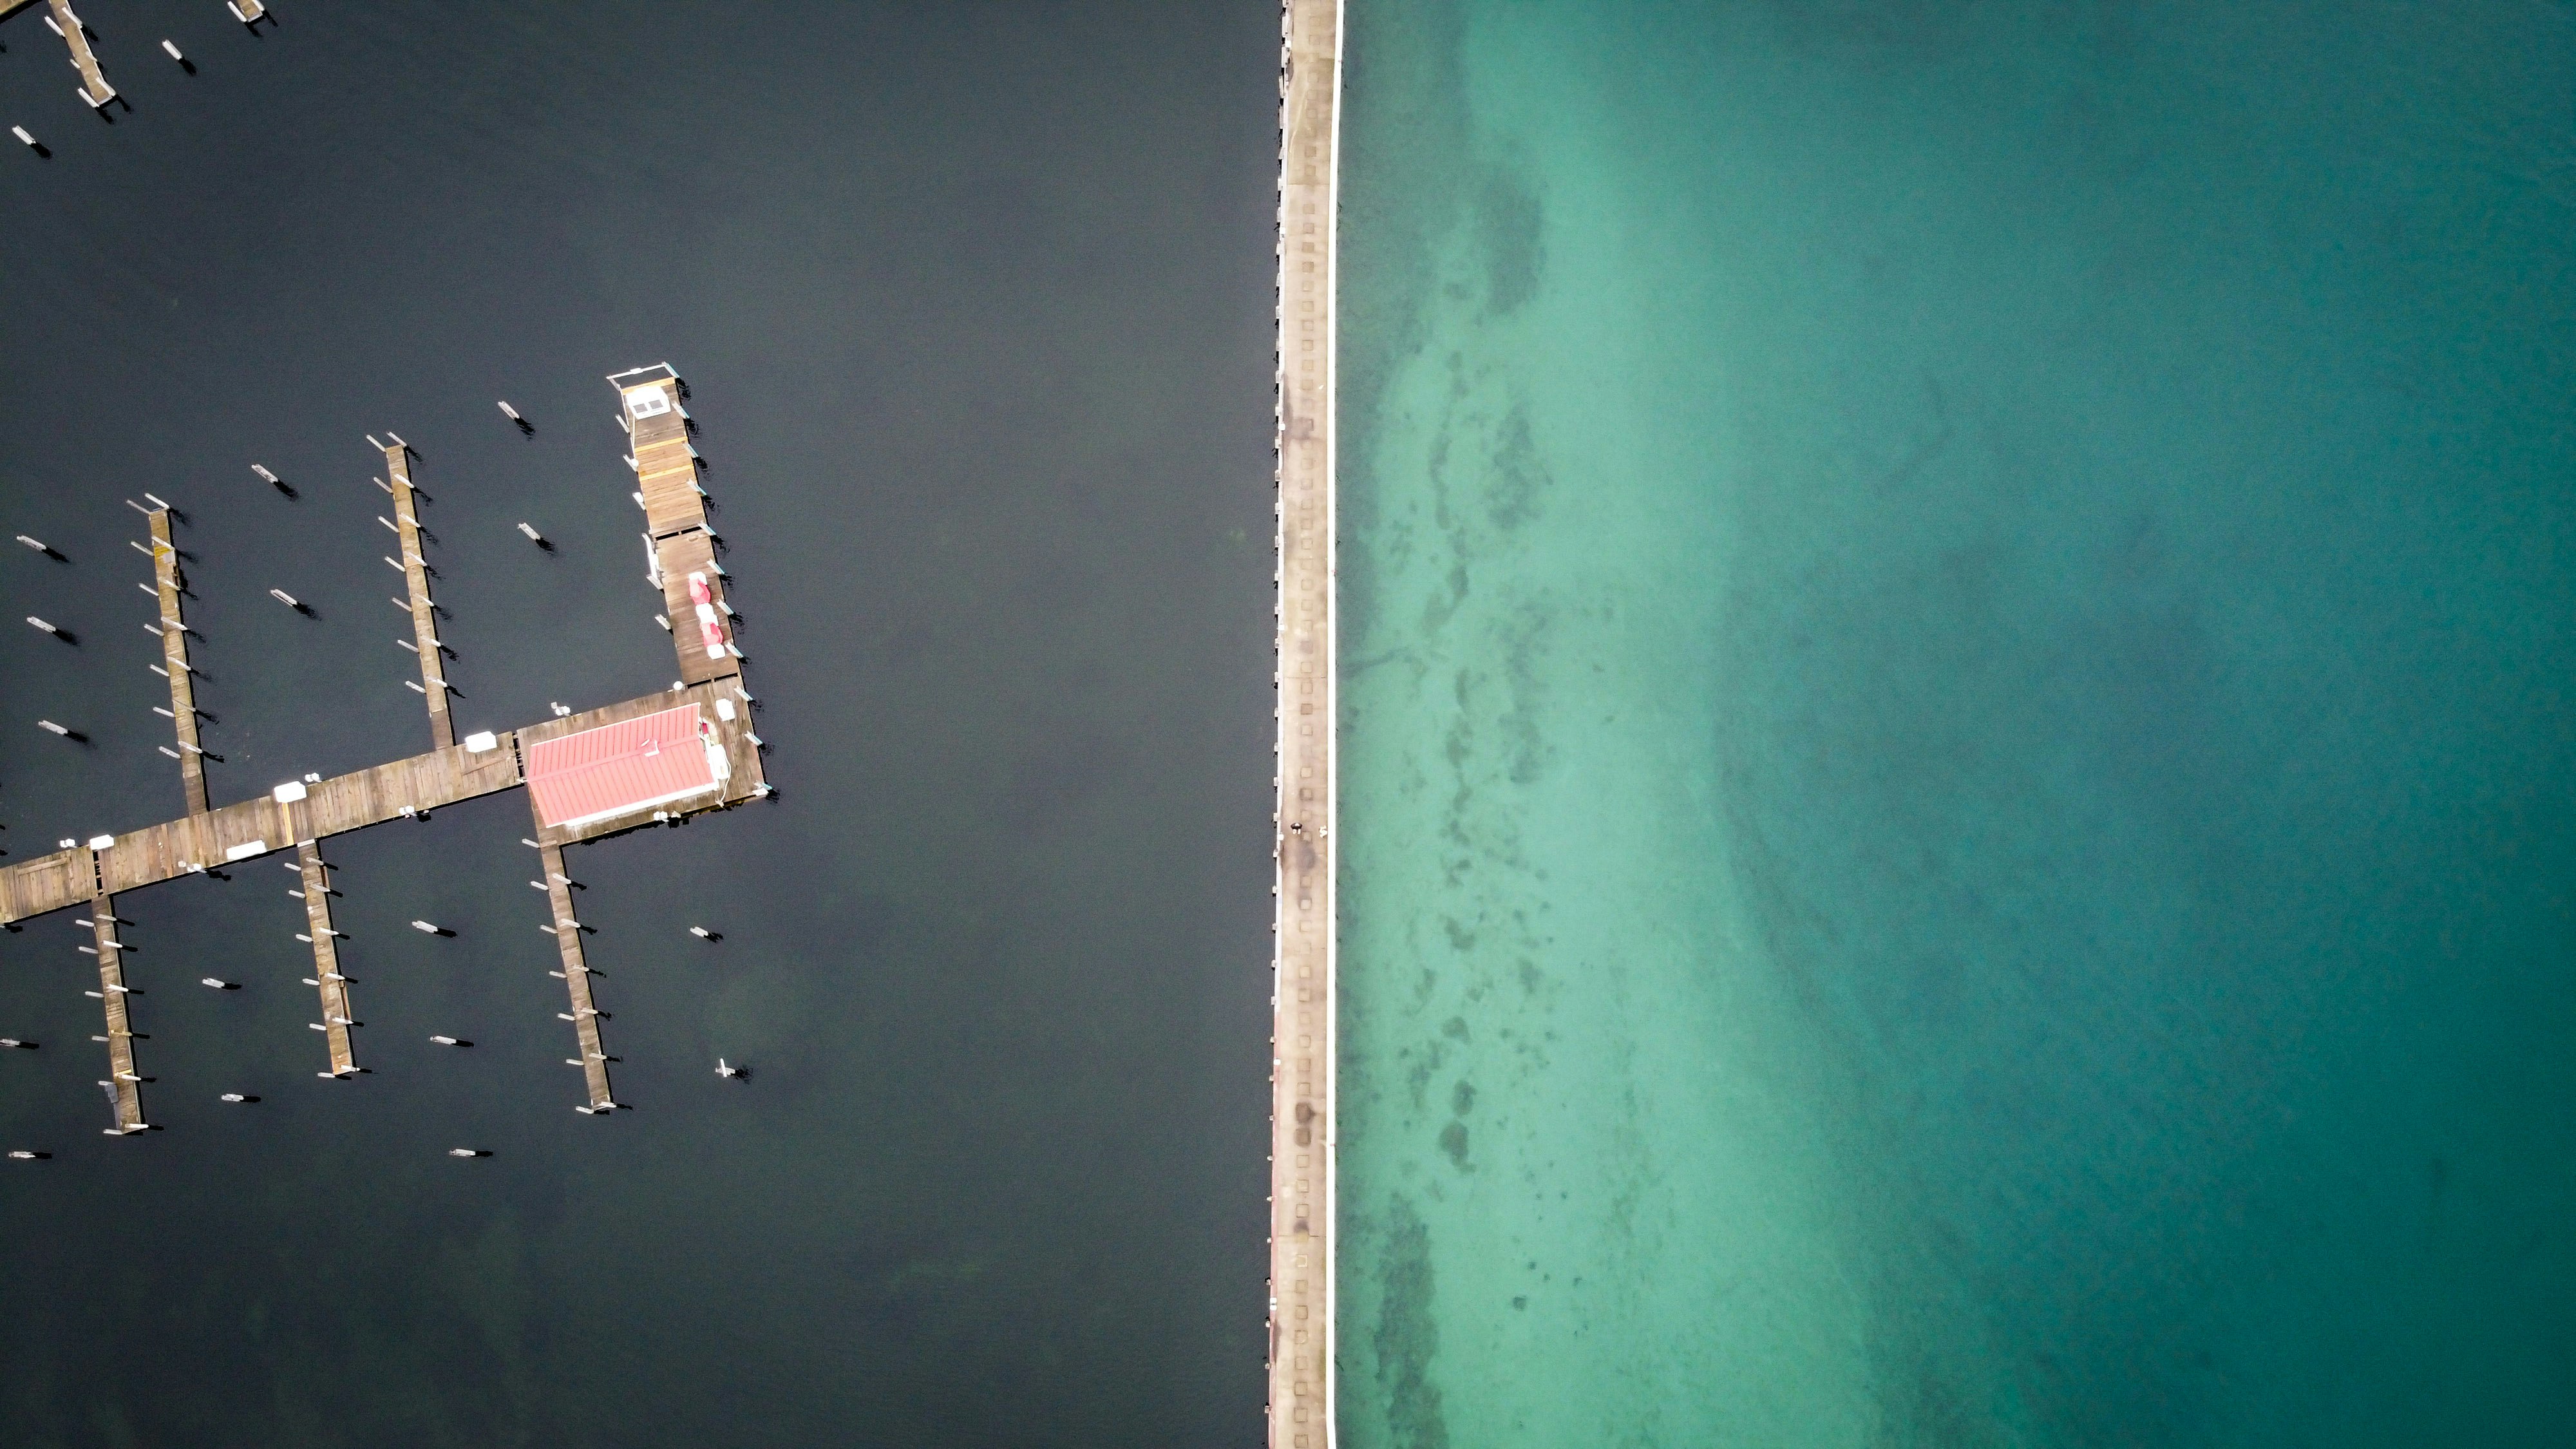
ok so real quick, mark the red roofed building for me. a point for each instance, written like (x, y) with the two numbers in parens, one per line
(614, 769)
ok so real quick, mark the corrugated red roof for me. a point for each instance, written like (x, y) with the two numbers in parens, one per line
(616, 768)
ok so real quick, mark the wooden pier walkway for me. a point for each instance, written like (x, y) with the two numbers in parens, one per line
(576, 974)
(684, 560)
(124, 1084)
(315, 811)
(675, 523)
(337, 1017)
(255, 827)
(1302, 1226)
(666, 464)
(169, 584)
(93, 87)
(424, 612)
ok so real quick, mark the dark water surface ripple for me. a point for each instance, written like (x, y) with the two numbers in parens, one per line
(975, 301)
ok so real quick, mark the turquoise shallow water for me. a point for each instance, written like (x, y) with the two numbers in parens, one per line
(1956, 734)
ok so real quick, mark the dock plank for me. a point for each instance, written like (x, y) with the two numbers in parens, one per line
(47, 883)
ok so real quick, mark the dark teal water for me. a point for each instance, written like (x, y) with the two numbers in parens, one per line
(975, 302)
(1958, 740)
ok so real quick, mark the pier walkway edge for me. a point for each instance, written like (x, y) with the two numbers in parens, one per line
(1303, 999)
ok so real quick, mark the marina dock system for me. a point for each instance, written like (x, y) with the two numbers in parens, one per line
(645, 761)
(1302, 1227)
(174, 662)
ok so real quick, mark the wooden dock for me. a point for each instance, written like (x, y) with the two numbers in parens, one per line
(683, 547)
(302, 814)
(46, 883)
(94, 88)
(170, 585)
(584, 1014)
(1302, 1226)
(424, 612)
(679, 560)
(316, 811)
(337, 1016)
(124, 1084)
(666, 463)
